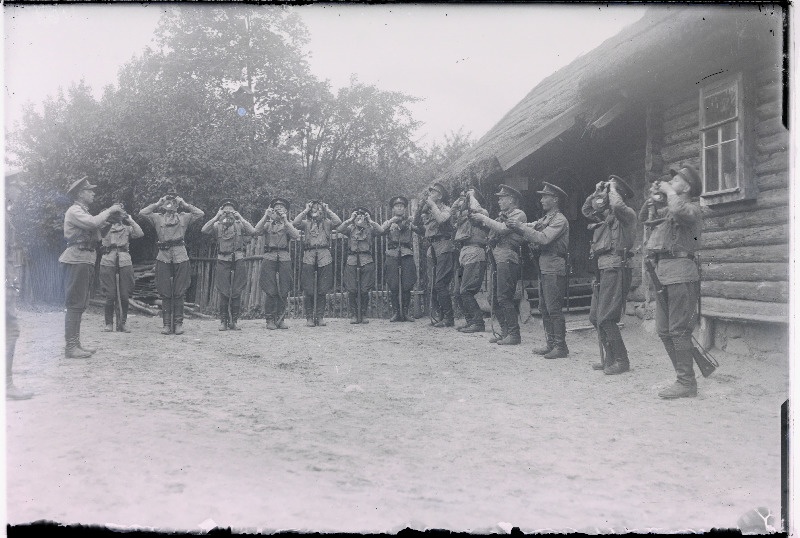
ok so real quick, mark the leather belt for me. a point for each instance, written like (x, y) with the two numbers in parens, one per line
(87, 246)
(267, 250)
(110, 248)
(166, 245)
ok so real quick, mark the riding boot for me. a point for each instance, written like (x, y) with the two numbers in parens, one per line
(269, 313)
(71, 328)
(445, 310)
(236, 307)
(686, 384)
(78, 335)
(608, 355)
(308, 307)
(512, 326)
(550, 341)
(123, 323)
(560, 349)
(177, 303)
(619, 354)
(166, 306)
(353, 301)
(364, 306)
(322, 301)
(109, 314)
(282, 305)
(395, 302)
(501, 320)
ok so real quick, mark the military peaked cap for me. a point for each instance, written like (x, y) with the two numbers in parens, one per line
(80, 185)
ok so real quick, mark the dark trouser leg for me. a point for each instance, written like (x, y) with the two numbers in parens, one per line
(507, 277)
(364, 306)
(178, 305)
(223, 309)
(444, 276)
(236, 308)
(352, 298)
(676, 318)
(308, 306)
(435, 308)
(471, 280)
(394, 299)
(109, 311)
(552, 287)
(166, 311)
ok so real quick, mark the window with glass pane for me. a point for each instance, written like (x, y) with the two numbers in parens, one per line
(720, 136)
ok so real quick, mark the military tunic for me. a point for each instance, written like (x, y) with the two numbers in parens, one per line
(506, 252)
(115, 245)
(471, 239)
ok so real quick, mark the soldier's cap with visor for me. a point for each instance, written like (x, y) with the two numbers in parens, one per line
(690, 175)
(398, 200)
(623, 188)
(363, 210)
(552, 190)
(229, 201)
(279, 200)
(441, 188)
(81, 184)
(505, 190)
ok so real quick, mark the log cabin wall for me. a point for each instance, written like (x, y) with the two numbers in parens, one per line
(745, 253)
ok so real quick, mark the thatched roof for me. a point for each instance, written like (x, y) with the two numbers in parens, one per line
(665, 43)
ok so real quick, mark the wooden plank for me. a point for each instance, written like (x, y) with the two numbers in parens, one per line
(745, 272)
(768, 145)
(768, 110)
(759, 253)
(680, 109)
(770, 127)
(771, 292)
(743, 310)
(682, 135)
(759, 217)
(769, 93)
(773, 181)
(773, 198)
(756, 235)
(778, 162)
(678, 152)
(685, 121)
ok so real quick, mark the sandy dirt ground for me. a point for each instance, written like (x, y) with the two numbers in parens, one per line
(380, 427)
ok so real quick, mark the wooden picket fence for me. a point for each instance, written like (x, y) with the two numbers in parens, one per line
(206, 297)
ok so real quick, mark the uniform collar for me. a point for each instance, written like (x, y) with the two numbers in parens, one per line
(82, 205)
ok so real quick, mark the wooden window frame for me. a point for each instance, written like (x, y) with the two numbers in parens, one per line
(745, 188)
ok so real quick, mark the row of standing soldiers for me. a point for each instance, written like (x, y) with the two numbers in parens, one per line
(464, 242)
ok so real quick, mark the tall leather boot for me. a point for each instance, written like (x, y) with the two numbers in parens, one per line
(560, 349)
(457, 302)
(608, 357)
(282, 305)
(223, 314)
(71, 328)
(308, 307)
(512, 337)
(395, 302)
(78, 335)
(621, 363)
(269, 313)
(352, 299)
(686, 384)
(123, 323)
(501, 320)
(178, 305)
(364, 306)
(550, 341)
(406, 311)
(109, 316)
(475, 323)
(445, 310)
(236, 308)
(166, 305)
(322, 303)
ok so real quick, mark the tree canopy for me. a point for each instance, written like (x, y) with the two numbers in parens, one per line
(171, 118)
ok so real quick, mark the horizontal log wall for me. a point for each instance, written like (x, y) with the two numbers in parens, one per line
(745, 254)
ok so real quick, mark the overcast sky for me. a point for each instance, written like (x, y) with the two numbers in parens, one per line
(470, 64)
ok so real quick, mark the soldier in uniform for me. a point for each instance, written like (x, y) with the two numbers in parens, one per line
(230, 275)
(12, 325)
(173, 274)
(671, 248)
(316, 221)
(505, 246)
(400, 258)
(437, 227)
(613, 235)
(470, 240)
(275, 277)
(360, 229)
(82, 232)
(550, 235)
(117, 233)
